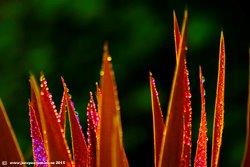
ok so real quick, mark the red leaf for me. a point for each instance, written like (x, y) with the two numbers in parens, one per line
(177, 35)
(92, 119)
(78, 140)
(38, 146)
(219, 106)
(110, 121)
(9, 148)
(55, 143)
(172, 143)
(246, 159)
(63, 109)
(201, 150)
(158, 124)
(187, 115)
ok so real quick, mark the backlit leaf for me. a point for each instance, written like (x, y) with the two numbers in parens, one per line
(187, 115)
(80, 152)
(219, 106)
(38, 146)
(177, 34)
(92, 120)
(158, 124)
(9, 148)
(55, 143)
(110, 121)
(172, 143)
(201, 149)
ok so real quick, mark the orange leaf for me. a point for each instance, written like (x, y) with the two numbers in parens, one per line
(201, 150)
(80, 151)
(9, 148)
(246, 159)
(172, 142)
(177, 34)
(219, 106)
(55, 143)
(158, 124)
(110, 121)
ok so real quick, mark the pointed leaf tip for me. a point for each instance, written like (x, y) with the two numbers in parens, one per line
(176, 145)
(92, 121)
(201, 149)
(110, 121)
(55, 143)
(158, 124)
(177, 34)
(219, 106)
(80, 152)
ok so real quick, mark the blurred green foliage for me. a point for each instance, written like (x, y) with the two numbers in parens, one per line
(65, 38)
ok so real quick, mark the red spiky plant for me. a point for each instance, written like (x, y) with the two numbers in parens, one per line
(104, 146)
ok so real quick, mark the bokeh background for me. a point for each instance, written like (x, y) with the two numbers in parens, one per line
(65, 38)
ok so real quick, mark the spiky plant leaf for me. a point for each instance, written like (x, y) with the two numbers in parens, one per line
(92, 120)
(79, 146)
(172, 142)
(158, 124)
(38, 146)
(55, 143)
(219, 106)
(201, 149)
(110, 151)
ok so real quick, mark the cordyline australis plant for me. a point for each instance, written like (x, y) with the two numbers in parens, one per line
(103, 145)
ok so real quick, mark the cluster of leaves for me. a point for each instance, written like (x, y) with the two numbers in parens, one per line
(104, 145)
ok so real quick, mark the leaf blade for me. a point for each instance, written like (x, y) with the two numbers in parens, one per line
(80, 152)
(38, 146)
(201, 149)
(9, 147)
(92, 121)
(55, 143)
(158, 124)
(110, 121)
(172, 142)
(219, 106)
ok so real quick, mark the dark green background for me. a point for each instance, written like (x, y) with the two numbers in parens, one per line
(65, 38)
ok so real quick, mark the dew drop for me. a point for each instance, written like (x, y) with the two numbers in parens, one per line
(203, 79)
(101, 72)
(109, 58)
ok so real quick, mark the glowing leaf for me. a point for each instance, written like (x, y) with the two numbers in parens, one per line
(201, 150)
(172, 142)
(63, 109)
(9, 148)
(187, 115)
(55, 143)
(219, 106)
(177, 34)
(80, 151)
(110, 121)
(38, 146)
(92, 120)
(158, 124)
